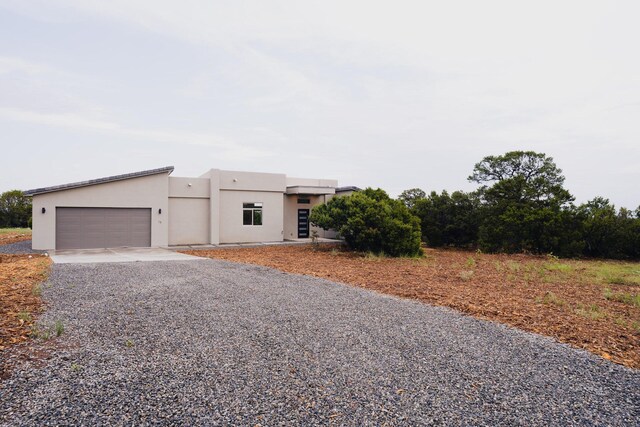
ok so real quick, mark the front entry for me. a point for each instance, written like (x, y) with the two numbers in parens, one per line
(303, 223)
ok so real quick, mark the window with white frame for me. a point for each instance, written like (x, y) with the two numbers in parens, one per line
(252, 213)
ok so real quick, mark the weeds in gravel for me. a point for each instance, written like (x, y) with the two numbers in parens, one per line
(76, 367)
(43, 334)
(47, 332)
(471, 262)
(129, 343)
(59, 328)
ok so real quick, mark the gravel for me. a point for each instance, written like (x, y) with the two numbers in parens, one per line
(23, 247)
(210, 342)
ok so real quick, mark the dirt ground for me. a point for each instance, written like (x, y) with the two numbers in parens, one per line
(592, 305)
(14, 235)
(20, 280)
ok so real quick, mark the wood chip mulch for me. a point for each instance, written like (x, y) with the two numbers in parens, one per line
(8, 238)
(20, 302)
(518, 290)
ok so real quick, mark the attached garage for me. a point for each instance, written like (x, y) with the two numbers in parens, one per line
(129, 210)
(85, 228)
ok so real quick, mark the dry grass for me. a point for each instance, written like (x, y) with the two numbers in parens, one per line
(588, 304)
(14, 235)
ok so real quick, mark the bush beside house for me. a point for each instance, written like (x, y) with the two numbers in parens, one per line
(371, 221)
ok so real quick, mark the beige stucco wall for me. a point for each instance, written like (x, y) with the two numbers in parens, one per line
(189, 211)
(143, 192)
(189, 187)
(252, 181)
(225, 205)
(231, 228)
(214, 206)
(188, 221)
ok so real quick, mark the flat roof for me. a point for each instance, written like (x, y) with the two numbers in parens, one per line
(309, 189)
(166, 169)
(347, 188)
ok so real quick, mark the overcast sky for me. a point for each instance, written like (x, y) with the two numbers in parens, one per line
(389, 94)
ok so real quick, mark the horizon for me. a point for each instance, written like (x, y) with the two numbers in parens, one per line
(428, 192)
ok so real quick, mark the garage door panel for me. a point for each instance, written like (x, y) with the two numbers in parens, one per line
(140, 241)
(84, 228)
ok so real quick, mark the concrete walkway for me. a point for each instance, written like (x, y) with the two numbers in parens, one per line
(85, 256)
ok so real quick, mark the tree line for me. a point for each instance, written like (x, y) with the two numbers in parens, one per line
(15, 209)
(520, 206)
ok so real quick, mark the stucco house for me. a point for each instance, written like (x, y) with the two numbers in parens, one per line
(153, 209)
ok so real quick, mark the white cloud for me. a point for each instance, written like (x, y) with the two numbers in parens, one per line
(78, 122)
(395, 94)
(12, 64)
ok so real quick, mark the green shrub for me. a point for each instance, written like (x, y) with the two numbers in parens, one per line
(370, 221)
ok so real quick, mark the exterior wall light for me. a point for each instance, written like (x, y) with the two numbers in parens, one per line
(44, 210)
(160, 210)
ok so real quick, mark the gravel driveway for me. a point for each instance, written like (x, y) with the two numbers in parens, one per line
(207, 342)
(23, 247)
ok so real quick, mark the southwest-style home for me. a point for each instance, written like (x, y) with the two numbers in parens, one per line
(152, 209)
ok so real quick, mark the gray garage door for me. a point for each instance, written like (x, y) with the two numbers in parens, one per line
(85, 228)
